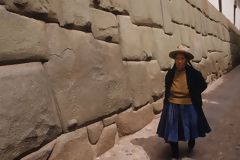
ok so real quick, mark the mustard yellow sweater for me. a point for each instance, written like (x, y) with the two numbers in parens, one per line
(179, 93)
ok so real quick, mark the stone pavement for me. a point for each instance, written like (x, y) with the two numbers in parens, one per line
(222, 109)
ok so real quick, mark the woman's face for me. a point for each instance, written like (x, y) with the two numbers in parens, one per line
(180, 61)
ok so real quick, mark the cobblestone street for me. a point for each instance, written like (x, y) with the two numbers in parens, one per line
(222, 109)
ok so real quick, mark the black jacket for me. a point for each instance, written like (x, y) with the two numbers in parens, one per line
(196, 85)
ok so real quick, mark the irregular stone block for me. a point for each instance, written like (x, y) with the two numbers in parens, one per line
(139, 83)
(88, 77)
(28, 113)
(75, 12)
(167, 17)
(161, 49)
(107, 139)
(47, 10)
(130, 41)
(21, 38)
(104, 25)
(129, 122)
(94, 132)
(41, 154)
(158, 106)
(119, 6)
(156, 78)
(73, 145)
(109, 120)
(146, 12)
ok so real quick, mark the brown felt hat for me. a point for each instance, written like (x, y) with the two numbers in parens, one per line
(181, 49)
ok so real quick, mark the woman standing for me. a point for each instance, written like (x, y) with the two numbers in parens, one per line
(182, 117)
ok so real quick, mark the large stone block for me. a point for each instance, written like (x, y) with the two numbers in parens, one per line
(156, 78)
(106, 140)
(48, 10)
(73, 13)
(163, 44)
(146, 12)
(73, 146)
(104, 25)
(167, 17)
(88, 76)
(139, 83)
(28, 113)
(130, 40)
(119, 6)
(129, 122)
(41, 154)
(21, 38)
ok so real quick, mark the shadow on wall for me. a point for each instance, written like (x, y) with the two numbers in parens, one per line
(234, 48)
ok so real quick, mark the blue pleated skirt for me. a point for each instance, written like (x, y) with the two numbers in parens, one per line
(178, 123)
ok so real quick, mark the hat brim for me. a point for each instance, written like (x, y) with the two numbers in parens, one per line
(188, 55)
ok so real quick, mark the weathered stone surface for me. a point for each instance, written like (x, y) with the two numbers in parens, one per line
(41, 154)
(130, 40)
(196, 47)
(109, 120)
(107, 139)
(146, 12)
(75, 12)
(21, 38)
(68, 13)
(185, 35)
(129, 122)
(198, 22)
(104, 25)
(158, 106)
(186, 7)
(203, 25)
(94, 132)
(46, 9)
(28, 112)
(156, 78)
(217, 59)
(88, 77)
(167, 17)
(121, 6)
(177, 11)
(192, 19)
(146, 37)
(161, 49)
(139, 83)
(74, 146)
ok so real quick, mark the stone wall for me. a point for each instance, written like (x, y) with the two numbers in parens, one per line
(78, 74)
